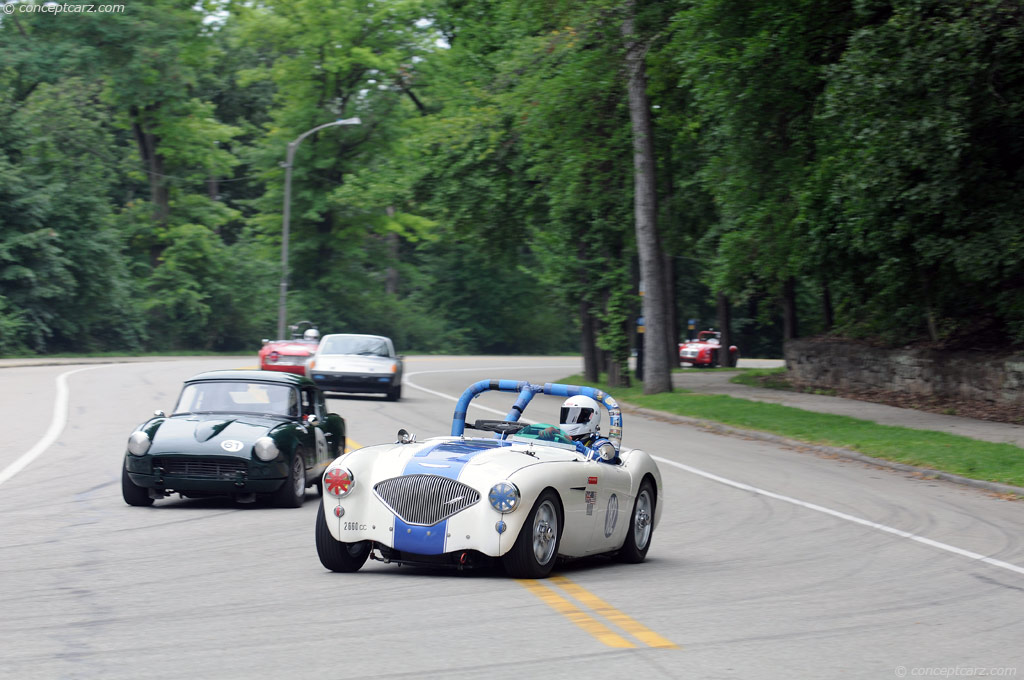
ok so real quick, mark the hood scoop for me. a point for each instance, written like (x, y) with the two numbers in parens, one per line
(208, 429)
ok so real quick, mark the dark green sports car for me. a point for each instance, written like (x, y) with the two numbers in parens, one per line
(235, 433)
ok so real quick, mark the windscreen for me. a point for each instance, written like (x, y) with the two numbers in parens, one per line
(355, 344)
(238, 397)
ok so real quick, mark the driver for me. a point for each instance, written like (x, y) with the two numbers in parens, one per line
(311, 334)
(580, 417)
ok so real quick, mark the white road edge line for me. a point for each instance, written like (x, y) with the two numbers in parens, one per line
(60, 419)
(449, 397)
(842, 515)
(779, 497)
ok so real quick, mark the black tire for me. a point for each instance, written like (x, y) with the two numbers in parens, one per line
(641, 529)
(335, 555)
(534, 553)
(293, 492)
(395, 393)
(132, 493)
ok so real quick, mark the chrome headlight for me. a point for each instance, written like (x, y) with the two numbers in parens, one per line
(266, 449)
(139, 442)
(339, 482)
(504, 497)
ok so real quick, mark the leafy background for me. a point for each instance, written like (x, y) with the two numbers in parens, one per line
(855, 165)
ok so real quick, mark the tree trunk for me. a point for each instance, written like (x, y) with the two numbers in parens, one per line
(614, 374)
(672, 328)
(789, 327)
(148, 144)
(725, 357)
(657, 376)
(588, 346)
(827, 311)
(391, 274)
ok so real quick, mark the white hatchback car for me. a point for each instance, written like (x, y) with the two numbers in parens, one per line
(365, 364)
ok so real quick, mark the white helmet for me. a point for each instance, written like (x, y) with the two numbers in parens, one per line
(580, 416)
(311, 334)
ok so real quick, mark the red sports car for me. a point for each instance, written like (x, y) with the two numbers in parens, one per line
(290, 356)
(704, 351)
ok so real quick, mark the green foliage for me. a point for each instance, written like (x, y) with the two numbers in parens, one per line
(917, 197)
(868, 148)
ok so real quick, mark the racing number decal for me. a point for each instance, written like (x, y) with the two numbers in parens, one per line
(612, 517)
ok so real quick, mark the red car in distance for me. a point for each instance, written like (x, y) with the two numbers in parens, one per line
(289, 356)
(704, 352)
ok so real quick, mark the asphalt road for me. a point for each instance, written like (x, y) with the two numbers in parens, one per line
(769, 562)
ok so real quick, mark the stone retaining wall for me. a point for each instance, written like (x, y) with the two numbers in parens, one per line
(836, 364)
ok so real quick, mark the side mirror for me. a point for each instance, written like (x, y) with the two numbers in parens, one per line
(606, 451)
(159, 414)
(405, 438)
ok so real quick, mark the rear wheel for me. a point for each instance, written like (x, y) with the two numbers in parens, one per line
(641, 525)
(335, 555)
(133, 494)
(534, 552)
(293, 492)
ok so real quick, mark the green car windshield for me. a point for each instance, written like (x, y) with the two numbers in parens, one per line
(544, 432)
(238, 397)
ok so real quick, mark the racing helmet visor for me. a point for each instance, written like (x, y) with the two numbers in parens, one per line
(573, 415)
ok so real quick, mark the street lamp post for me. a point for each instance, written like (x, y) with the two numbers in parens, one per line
(286, 215)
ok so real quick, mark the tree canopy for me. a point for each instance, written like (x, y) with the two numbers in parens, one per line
(844, 166)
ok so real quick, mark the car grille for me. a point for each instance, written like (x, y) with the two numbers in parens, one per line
(202, 469)
(425, 500)
(354, 380)
(690, 352)
(289, 360)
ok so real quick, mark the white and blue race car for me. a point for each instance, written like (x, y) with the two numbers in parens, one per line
(525, 495)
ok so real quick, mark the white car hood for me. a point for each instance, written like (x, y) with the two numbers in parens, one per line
(353, 363)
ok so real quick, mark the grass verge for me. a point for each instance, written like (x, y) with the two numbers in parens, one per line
(958, 455)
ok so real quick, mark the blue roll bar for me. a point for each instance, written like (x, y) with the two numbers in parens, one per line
(526, 391)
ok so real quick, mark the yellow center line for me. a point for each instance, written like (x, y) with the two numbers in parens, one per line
(351, 445)
(602, 608)
(576, 615)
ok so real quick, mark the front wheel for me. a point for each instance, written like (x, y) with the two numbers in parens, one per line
(641, 526)
(132, 493)
(395, 393)
(293, 492)
(335, 555)
(534, 552)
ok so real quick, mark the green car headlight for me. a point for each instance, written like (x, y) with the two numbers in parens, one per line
(138, 443)
(504, 497)
(266, 449)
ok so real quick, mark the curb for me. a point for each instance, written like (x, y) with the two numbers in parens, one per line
(720, 428)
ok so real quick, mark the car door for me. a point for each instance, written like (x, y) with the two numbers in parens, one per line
(612, 505)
